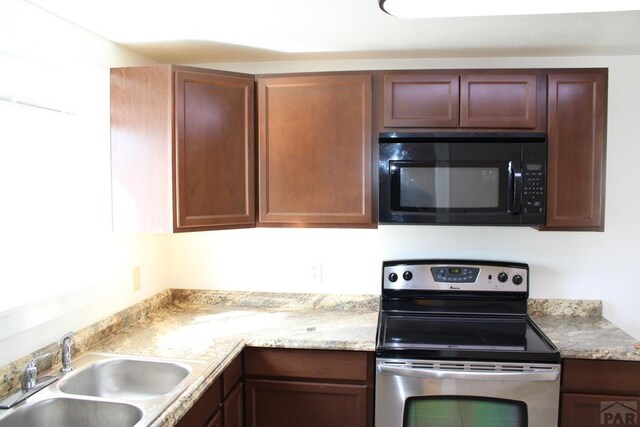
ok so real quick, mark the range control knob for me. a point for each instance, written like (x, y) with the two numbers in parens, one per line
(393, 277)
(517, 279)
(503, 277)
(407, 275)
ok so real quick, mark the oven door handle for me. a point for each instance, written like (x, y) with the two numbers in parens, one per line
(533, 376)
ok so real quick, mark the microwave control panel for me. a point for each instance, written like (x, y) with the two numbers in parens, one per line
(534, 188)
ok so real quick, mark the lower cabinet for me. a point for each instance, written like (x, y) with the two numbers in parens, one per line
(294, 388)
(233, 408)
(599, 392)
(222, 404)
(215, 421)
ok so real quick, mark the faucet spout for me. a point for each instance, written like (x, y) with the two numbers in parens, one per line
(66, 353)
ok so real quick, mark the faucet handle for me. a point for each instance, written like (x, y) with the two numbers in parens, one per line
(67, 336)
(35, 360)
(30, 372)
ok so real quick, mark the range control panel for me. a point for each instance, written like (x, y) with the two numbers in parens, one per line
(447, 275)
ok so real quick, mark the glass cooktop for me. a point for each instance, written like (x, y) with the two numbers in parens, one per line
(472, 337)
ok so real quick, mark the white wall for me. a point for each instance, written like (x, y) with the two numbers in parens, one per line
(62, 267)
(564, 264)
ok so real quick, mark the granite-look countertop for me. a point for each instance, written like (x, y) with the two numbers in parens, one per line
(579, 331)
(588, 337)
(215, 326)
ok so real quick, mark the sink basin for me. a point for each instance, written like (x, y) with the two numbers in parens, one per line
(62, 412)
(128, 379)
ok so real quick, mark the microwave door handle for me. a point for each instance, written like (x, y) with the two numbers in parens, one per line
(515, 188)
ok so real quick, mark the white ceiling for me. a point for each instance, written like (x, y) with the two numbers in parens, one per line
(205, 31)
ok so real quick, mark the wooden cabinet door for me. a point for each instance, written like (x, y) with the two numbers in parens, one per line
(315, 150)
(589, 410)
(576, 129)
(204, 409)
(421, 100)
(501, 101)
(216, 421)
(296, 404)
(233, 408)
(214, 140)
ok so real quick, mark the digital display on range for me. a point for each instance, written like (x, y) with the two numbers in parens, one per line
(455, 274)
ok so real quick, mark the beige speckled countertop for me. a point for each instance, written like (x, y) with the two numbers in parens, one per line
(191, 328)
(216, 326)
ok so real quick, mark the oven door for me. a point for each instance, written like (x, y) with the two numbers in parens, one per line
(428, 393)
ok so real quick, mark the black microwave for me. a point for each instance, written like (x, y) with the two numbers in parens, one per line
(463, 178)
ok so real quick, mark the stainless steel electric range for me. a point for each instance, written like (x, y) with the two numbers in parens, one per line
(456, 348)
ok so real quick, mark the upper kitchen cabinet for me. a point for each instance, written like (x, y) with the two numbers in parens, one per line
(502, 100)
(421, 100)
(315, 151)
(182, 149)
(511, 100)
(577, 132)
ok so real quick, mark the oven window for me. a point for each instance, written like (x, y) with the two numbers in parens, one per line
(449, 187)
(464, 411)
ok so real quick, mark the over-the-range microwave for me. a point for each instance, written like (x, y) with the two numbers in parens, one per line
(463, 178)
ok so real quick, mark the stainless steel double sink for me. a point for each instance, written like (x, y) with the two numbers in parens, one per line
(106, 390)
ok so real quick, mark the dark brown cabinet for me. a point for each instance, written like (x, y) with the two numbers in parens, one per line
(421, 100)
(182, 143)
(206, 411)
(500, 101)
(576, 133)
(509, 100)
(222, 405)
(315, 158)
(292, 388)
(599, 392)
(233, 408)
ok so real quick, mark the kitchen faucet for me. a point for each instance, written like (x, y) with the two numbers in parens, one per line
(66, 353)
(31, 384)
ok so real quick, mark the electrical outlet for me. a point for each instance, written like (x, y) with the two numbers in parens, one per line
(316, 271)
(136, 278)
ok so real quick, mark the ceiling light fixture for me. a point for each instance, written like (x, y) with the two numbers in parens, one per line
(427, 9)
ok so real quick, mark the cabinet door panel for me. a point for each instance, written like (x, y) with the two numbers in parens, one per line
(315, 150)
(576, 151)
(308, 364)
(601, 377)
(588, 410)
(233, 408)
(214, 150)
(231, 375)
(506, 101)
(204, 408)
(295, 404)
(216, 421)
(421, 100)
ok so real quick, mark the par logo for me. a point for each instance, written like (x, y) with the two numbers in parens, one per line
(619, 413)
